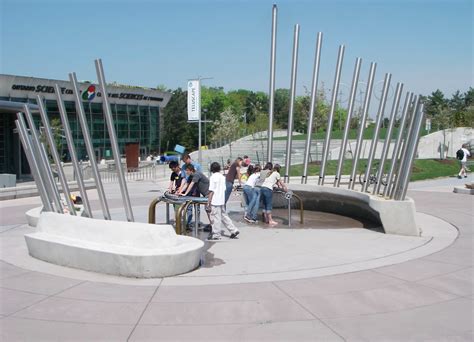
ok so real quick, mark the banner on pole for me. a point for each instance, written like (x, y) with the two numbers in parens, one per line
(194, 100)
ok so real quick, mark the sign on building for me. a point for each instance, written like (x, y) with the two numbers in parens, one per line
(194, 100)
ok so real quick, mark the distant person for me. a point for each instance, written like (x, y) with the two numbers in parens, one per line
(247, 160)
(232, 174)
(253, 195)
(216, 205)
(273, 178)
(462, 155)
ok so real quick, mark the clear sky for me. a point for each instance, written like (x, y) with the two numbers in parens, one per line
(427, 44)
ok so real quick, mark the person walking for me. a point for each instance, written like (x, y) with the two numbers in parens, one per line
(232, 174)
(272, 179)
(216, 205)
(462, 155)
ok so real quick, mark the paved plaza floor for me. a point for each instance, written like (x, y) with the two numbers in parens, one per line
(337, 282)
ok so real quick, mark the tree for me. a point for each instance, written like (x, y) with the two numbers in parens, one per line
(225, 127)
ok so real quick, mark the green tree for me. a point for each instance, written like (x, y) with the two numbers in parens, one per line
(225, 127)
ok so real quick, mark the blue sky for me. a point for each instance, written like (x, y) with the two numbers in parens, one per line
(425, 44)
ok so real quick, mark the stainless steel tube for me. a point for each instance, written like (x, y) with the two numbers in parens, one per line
(335, 91)
(350, 109)
(396, 150)
(43, 162)
(294, 70)
(56, 158)
(28, 149)
(113, 140)
(314, 95)
(373, 146)
(89, 147)
(388, 137)
(272, 85)
(360, 134)
(72, 152)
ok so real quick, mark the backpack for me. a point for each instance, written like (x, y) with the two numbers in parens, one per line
(460, 154)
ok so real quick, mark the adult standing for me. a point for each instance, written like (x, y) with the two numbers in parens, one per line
(232, 174)
(462, 155)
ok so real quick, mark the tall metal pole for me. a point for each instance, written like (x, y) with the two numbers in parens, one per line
(335, 90)
(113, 139)
(411, 153)
(406, 142)
(350, 109)
(294, 69)
(43, 163)
(272, 85)
(54, 153)
(89, 147)
(375, 140)
(388, 137)
(360, 134)
(314, 95)
(28, 149)
(396, 150)
(72, 152)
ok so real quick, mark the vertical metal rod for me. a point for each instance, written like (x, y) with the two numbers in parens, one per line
(89, 147)
(54, 153)
(335, 91)
(314, 95)
(294, 70)
(272, 84)
(43, 162)
(350, 109)
(113, 139)
(27, 148)
(360, 134)
(388, 137)
(409, 130)
(72, 152)
(396, 150)
(375, 140)
(411, 153)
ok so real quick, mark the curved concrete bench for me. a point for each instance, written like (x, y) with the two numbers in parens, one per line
(128, 249)
(395, 217)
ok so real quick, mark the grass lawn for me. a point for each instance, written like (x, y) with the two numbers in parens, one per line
(422, 168)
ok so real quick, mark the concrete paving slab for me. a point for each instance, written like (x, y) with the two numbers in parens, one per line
(7, 270)
(12, 301)
(459, 282)
(40, 283)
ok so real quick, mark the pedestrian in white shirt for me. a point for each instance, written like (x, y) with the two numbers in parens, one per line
(463, 160)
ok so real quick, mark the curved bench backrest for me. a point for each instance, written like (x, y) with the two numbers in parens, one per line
(128, 234)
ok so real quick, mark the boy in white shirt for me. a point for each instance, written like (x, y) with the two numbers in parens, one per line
(463, 161)
(216, 205)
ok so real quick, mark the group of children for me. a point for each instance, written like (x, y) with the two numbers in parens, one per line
(189, 180)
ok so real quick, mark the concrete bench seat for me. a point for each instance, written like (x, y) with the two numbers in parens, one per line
(128, 249)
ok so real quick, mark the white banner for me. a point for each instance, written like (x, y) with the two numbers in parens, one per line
(194, 100)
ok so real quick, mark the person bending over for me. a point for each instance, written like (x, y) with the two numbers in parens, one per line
(272, 179)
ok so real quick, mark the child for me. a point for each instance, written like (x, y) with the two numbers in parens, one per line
(175, 178)
(253, 195)
(216, 205)
(272, 179)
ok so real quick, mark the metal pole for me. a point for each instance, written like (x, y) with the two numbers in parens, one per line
(314, 91)
(360, 134)
(335, 90)
(272, 84)
(89, 147)
(411, 153)
(373, 146)
(72, 151)
(350, 109)
(113, 139)
(43, 163)
(199, 129)
(388, 137)
(294, 69)
(54, 153)
(406, 141)
(27, 148)
(396, 149)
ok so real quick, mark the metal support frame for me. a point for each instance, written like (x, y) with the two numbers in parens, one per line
(272, 84)
(350, 109)
(294, 70)
(113, 140)
(314, 95)
(375, 140)
(43, 163)
(32, 161)
(388, 137)
(72, 152)
(335, 90)
(360, 134)
(89, 147)
(55, 154)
